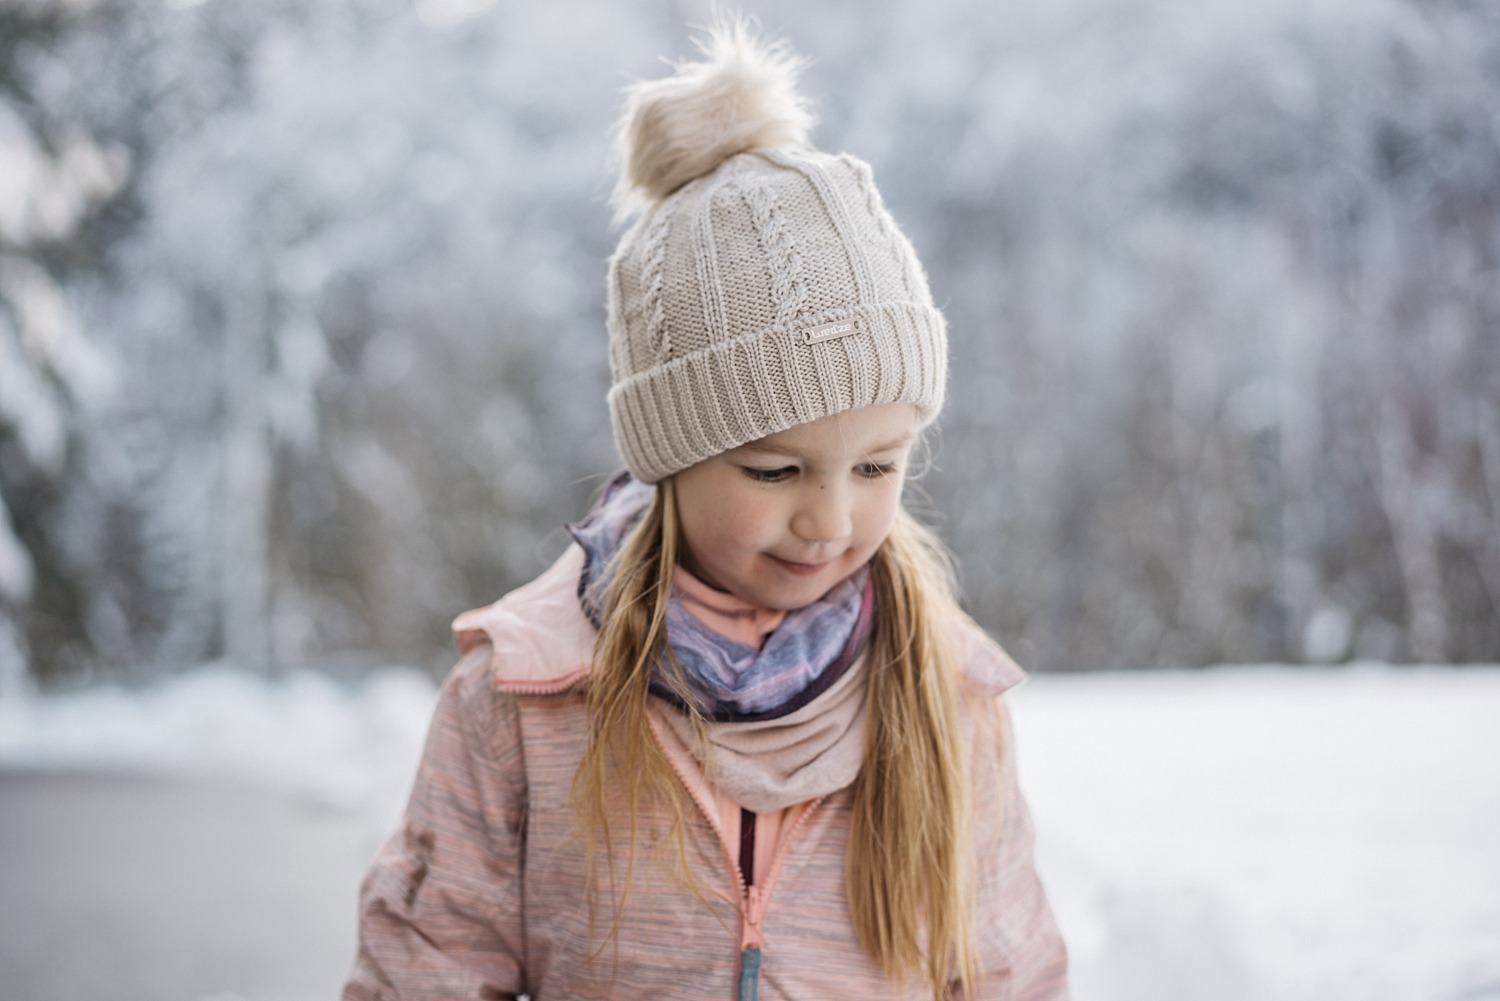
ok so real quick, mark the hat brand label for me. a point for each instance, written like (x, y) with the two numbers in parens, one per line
(829, 332)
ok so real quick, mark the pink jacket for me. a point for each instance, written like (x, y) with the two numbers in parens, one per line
(480, 893)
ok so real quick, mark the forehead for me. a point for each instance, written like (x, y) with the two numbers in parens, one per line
(865, 429)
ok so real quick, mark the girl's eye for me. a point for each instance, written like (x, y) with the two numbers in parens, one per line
(874, 470)
(770, 475)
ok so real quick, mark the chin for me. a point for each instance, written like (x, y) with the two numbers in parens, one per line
(793, 592)
(786, 602)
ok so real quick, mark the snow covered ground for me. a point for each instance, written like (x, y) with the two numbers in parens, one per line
(1235, 834)
(1264, 833)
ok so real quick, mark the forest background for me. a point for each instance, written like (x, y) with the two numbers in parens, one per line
(302, 332)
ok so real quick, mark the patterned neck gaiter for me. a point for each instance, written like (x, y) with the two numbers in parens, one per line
(727, 680)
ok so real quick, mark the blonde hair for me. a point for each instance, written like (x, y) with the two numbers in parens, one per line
(908, 868)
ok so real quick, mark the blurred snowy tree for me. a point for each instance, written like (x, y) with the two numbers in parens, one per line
(1221, 279)
(350, 314)
(54, 177)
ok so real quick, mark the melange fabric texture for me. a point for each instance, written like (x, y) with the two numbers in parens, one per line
(727, 680)
(481, 891)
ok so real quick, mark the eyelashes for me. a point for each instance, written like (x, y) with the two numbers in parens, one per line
(779, 474)
(775, 475)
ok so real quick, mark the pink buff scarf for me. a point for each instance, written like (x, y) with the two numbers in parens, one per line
(730, 681)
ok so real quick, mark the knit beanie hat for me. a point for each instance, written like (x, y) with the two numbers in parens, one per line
(763, 284)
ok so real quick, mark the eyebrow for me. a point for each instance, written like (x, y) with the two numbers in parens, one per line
(901, 442)
(760, 447)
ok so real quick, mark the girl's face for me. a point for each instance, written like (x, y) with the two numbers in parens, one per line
(780, 521)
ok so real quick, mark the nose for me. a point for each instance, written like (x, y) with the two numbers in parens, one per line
(823, 515)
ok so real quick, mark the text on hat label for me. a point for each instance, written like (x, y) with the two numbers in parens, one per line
(829, 331)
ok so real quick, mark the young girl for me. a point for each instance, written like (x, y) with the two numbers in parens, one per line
(739, 741)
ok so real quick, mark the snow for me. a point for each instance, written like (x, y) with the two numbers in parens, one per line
(17, 574)
(350, 747)
(50, 334)
(27, 404)
(1237, 834)
(44, 197)
(1271, 832)
(1186, 250)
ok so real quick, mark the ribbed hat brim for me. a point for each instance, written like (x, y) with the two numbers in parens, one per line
(699, 405)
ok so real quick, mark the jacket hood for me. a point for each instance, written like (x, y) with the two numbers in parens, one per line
(538, 634)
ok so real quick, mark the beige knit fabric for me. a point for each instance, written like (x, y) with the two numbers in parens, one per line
(771, 292)
(771, 764)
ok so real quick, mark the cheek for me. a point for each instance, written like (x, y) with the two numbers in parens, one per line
(744, 525)
(722, 527)
(879, 514)
(702, 534)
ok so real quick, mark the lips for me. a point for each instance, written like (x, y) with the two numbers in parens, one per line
(800, 569)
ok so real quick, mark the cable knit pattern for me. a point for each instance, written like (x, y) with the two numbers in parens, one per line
(652, 279)
(787, 290)
(763, 283)
(717, 289)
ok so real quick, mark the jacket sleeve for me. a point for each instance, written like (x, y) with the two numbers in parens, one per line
(441, 906)
(1021, 951)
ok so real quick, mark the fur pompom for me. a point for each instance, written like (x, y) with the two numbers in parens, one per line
(742, 96)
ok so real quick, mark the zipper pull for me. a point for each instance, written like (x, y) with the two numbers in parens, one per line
(750, 975)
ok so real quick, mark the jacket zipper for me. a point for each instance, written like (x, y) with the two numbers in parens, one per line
(756, 899)
(752, 899)
(749, 975)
